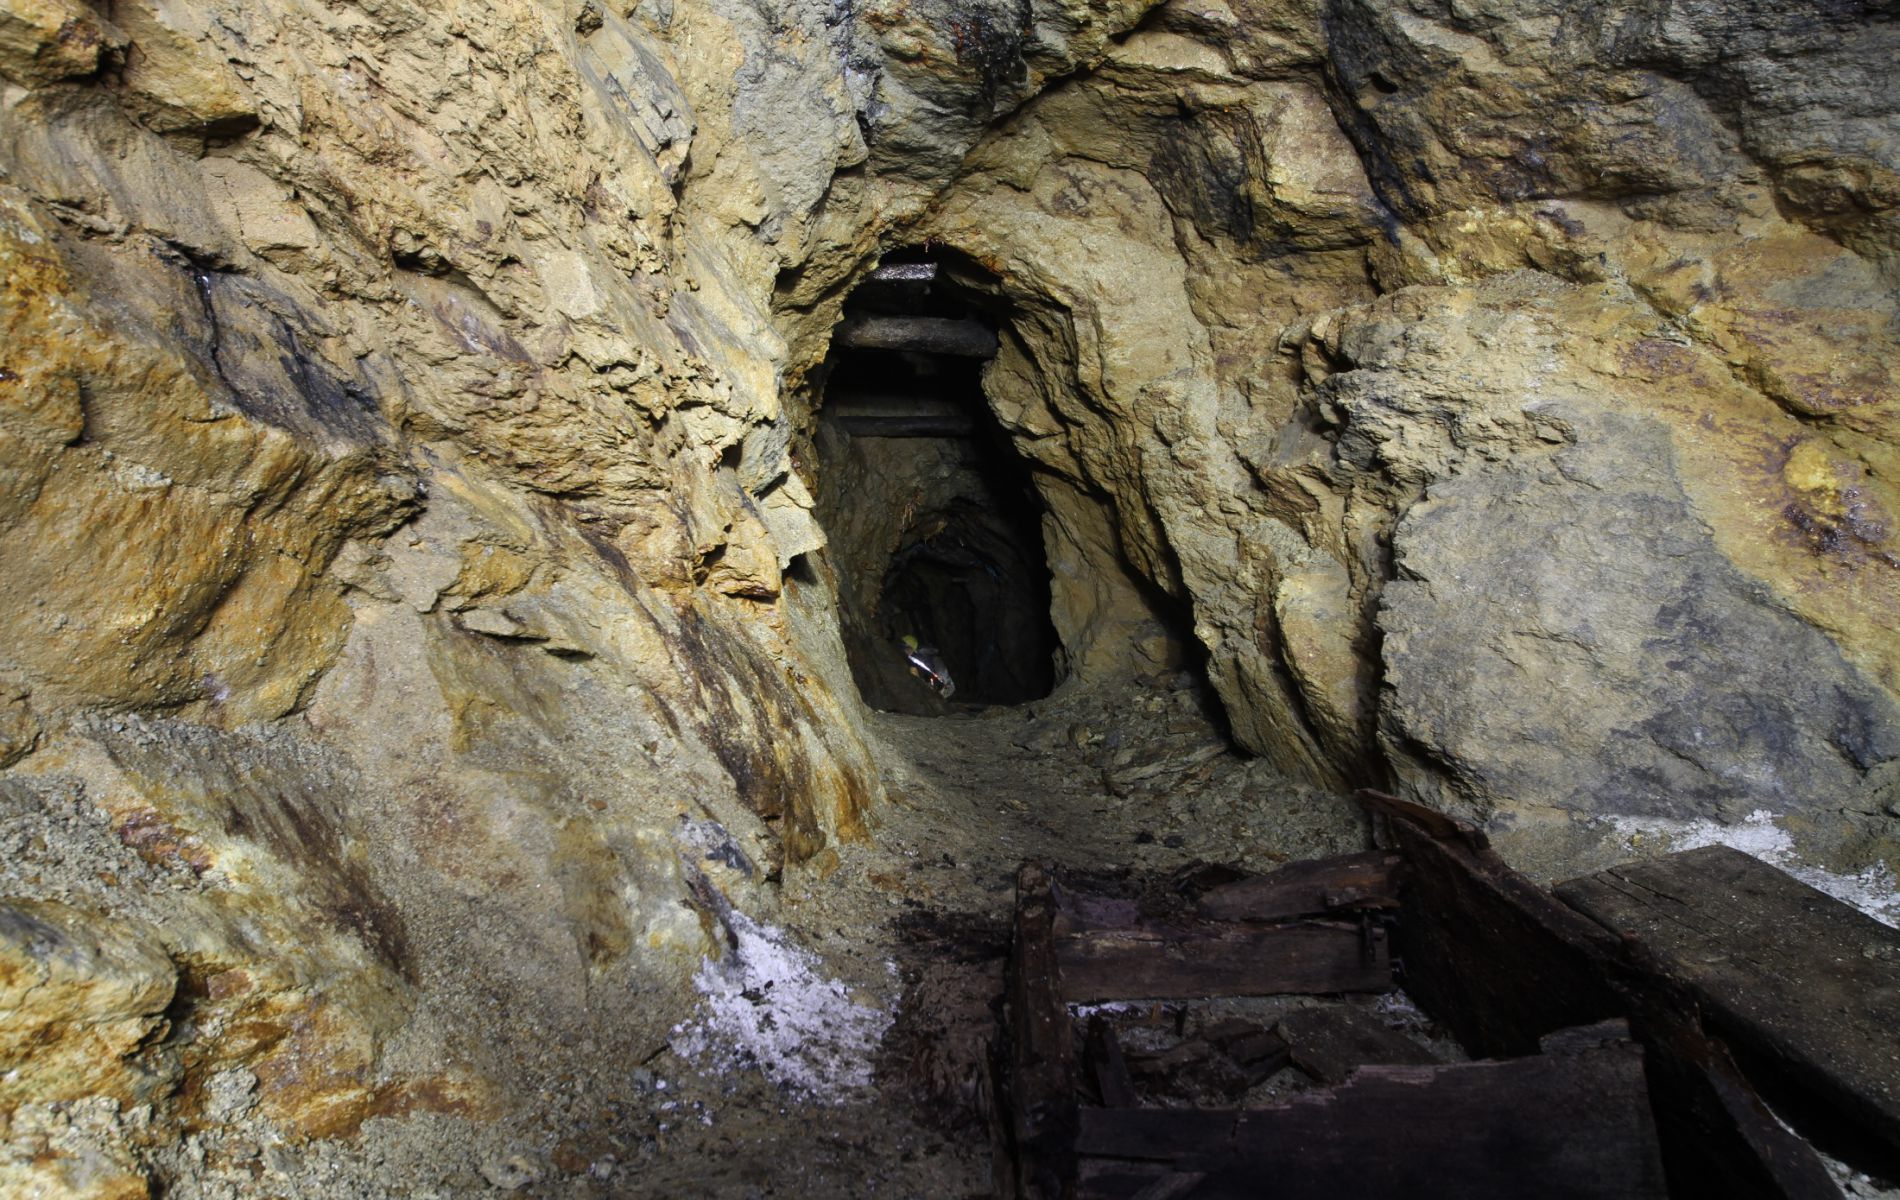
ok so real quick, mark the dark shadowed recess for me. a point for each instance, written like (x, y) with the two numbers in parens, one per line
(934, 523)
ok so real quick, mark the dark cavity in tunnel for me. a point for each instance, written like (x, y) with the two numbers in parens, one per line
(933, 519)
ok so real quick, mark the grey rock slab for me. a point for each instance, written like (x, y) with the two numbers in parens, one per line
(1563, 631)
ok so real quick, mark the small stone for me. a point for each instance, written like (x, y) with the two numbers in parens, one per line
(511, 1172)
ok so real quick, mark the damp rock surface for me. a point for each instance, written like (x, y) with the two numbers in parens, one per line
(424, 622)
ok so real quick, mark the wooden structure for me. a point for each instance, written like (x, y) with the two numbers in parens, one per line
(1623, 1024)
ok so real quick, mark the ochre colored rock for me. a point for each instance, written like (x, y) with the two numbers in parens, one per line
(176, 74)
(42, 41)
(80, 996)
(417, 619)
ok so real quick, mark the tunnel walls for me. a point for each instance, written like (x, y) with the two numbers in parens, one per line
(406, 520)
(1490, 462)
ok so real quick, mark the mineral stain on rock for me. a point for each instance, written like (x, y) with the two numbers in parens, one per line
(413, 517)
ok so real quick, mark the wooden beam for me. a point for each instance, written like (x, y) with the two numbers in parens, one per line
(1331, 1043)
(922, 425)
(1485, 951)
(1158, 963)
(1040, 1082)
(1108, 1066)
(1488, 953)
(1563, 1127)
(1307, 888)
(1804, 987)
(923, 335)
(899, 416)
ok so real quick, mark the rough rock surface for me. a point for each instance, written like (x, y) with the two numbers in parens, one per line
(404, 470)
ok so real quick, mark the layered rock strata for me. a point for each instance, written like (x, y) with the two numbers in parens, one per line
(406, 524)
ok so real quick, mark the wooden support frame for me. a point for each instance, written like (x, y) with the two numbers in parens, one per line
(1461, 905)
(1503, 962)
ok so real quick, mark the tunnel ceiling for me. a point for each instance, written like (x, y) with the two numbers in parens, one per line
(427, 591)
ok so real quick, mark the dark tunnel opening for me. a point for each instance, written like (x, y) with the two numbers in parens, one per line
(933, 519)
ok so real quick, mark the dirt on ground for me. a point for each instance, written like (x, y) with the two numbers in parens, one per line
(914, 924)
(839, 1046)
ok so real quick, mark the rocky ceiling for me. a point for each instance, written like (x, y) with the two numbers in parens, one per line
(407, 528)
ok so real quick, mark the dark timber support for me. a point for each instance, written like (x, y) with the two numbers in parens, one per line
(1503, 963)
(1562, 1125)
(923, 335)
(901, 417)
(1040, 1069)
(1805, 988)
(1605, 1082)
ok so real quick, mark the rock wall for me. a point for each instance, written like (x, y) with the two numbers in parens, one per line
(1498, 384)
(403, 420)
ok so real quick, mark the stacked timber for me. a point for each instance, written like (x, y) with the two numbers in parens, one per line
(1625, 1025)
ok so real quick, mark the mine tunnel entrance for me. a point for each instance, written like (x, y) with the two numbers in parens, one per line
(934, 523)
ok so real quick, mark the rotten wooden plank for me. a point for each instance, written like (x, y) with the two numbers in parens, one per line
(1306, 888)
(1495, 958)
(1331, 1042)
(1806, 988)
(1039, 1094)
(1218, 961)
(926, 335)
(1107, 1065)
(867, 415)
(1719, 1140)
(1257, 1051)
(1485, 951)
(1569, 1127)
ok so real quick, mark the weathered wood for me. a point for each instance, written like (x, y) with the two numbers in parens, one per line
(1719, 1141)
(1806, 988)
(1487, 952)
(925, 335)
(1108, 1066)
(1040, 1084)
(1107, 1179)
(1484, 952)
(1190, 1070)
(1224, 1061)
(1331, 1042)
(1258, 1052)
(1216, 961)
(875, 415)
(1306, 888)
(1559, 1127)
(918, 425)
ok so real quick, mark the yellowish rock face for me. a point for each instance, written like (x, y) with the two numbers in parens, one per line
(416, 619)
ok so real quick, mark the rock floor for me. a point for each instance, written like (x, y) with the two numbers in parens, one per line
(1137, 776)
(839, 1052)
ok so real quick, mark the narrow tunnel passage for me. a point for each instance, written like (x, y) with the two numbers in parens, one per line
(934, 522)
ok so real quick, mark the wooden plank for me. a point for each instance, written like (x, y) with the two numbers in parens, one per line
(1331, 1042)
(924, 335)
(1217, 961)
(1306, 888)
(875, 415)
(1258, 1052)
(1558, 1127)
(1040, 1083)
(1719, 1141)
(919, 425)
(1114, 1180)
(1107, 1065)
(1486, 952)
(1806, 988)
